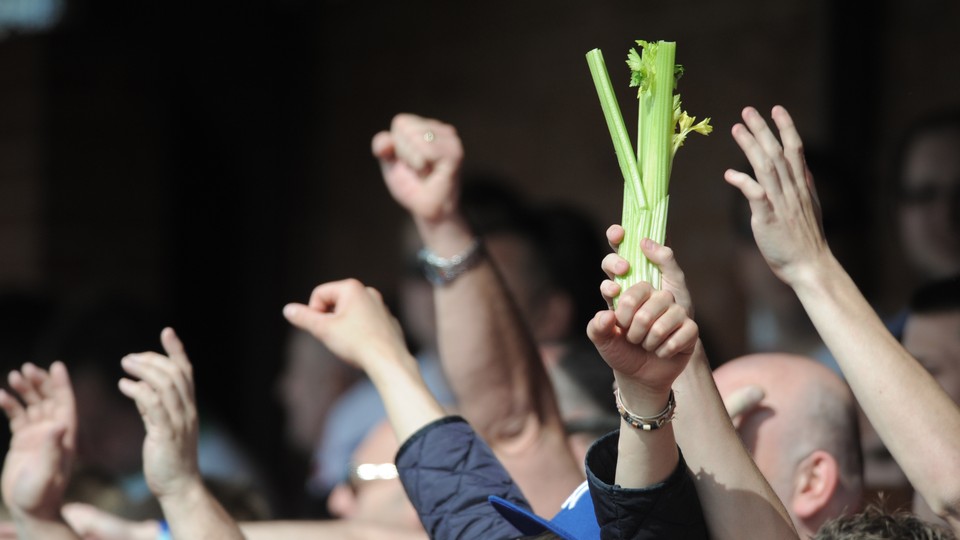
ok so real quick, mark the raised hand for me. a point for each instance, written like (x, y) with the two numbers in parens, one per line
(786, 213)
(420, 159)
(647, 340)
(37, 467)
(351, 320)
(164, 395)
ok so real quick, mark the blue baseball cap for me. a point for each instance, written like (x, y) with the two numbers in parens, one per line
(574, 521)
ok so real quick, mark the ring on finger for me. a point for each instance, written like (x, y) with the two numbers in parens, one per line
(429, 135)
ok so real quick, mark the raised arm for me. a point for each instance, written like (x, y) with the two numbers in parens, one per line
(37, 467)
(446, 471)
(352, 321)
(728, 482)
(164, 395)
(647, 341)
(487, 352)
(900, 398)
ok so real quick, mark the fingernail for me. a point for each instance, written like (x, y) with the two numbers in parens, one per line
(289, 311)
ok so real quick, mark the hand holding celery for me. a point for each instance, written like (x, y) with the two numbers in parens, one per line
(646, 175)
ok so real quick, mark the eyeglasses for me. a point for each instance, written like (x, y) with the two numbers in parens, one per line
(357, 474)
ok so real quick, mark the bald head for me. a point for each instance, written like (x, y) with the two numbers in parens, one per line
(803, 435)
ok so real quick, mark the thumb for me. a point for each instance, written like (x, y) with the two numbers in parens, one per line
(383, 146)
(602, 329)
(670, 272)
(305, 318)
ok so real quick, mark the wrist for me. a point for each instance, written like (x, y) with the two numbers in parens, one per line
(446, 236)
(821, 281)
(185, 494)
(642, 399)
(813, 273)
(391, 366)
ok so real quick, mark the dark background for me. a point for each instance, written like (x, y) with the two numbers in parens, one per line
(211, 159)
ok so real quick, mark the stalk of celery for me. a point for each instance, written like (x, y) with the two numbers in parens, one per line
(646, 202)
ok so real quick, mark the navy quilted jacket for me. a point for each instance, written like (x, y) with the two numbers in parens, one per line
(448, 472)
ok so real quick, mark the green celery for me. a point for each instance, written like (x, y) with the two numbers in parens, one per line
(645, 199)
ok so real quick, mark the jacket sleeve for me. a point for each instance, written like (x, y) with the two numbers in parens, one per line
(448, 472)
(670, 509)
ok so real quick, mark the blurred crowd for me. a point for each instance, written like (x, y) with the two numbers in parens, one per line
(517, 390)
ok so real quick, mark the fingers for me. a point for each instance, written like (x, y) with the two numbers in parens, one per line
(154, 415)
(615, 235)
(178, 355)
(639, 308)
(630, 301)
(424, 144)
(26, 383)
(682, 340)
(305, 318)
(614, 265)
(162, 386)
(756, 196)
(645, 316)
(609, 289)
(743, 400)
(383, 147)
(326, 296)
(45, 396)
(802, 179)
(770, 166)
(59, 389)
(792, 144)
(13, 409)
(667, 322)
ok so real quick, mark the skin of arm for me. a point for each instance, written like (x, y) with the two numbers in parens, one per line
(164, 395)
(487, 352)
(728, 481)
(37, 466)
(903, 402)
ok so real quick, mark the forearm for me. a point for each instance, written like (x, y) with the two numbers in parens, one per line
(497, 375)
(900, 398)
(728, 481)
(338, 528)
(488, 353)
(406, 398)
(195, 513)
(645, 457)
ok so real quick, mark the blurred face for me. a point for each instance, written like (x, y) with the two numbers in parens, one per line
(930, 203)
(934, 339)
(377, 498)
